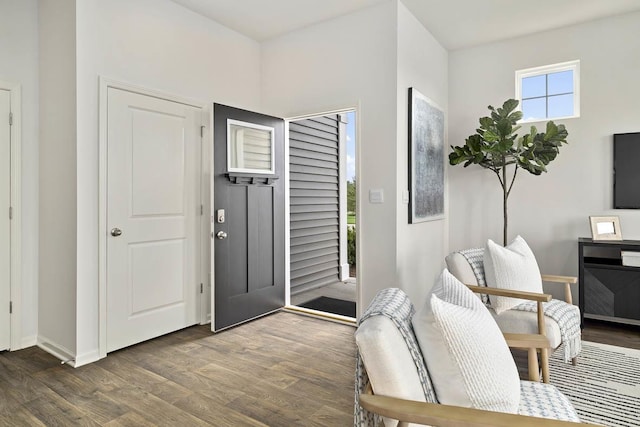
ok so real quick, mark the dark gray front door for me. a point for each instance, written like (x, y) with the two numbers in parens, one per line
(248, 215)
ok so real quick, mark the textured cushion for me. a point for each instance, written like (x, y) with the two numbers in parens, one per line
(512, 267)
(388, 362)
(466, 354)
(524, 322)
(545, 401)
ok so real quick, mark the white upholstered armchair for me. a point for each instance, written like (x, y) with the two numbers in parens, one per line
(395, 387)
(561, 320)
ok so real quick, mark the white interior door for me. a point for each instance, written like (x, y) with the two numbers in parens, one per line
(153, 204)
(5, 226)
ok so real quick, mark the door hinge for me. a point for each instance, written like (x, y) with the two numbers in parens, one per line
(10, 307)
(201, 209)
(10, 119)
(201, 131)
(201, 288)
(10, 212)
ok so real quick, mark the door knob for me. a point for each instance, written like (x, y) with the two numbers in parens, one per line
(221, 235)
(115, 232)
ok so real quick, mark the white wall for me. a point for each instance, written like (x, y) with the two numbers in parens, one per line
(550, 211)
(158, 45)
(57, 290)
(422, 64)
(369, 59)
(19, 64)
(345, 62)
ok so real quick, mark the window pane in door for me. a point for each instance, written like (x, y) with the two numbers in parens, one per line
(250, 148)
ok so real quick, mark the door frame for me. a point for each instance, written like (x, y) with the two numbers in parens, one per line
(15, 178)
(355, 107)
(104, 85)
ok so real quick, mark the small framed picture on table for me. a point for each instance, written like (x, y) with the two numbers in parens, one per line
(605, 228)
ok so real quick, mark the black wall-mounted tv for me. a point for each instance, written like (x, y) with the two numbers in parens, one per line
(626, 170)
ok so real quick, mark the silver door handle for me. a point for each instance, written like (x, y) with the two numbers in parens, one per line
(115, 232)
(221, 235)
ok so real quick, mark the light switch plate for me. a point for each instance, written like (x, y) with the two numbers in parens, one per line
(376, 196)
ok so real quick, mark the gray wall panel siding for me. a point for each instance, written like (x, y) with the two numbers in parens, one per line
(315, 202)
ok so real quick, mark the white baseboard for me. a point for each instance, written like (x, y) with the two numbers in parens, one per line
(86, 358)
(62, 353)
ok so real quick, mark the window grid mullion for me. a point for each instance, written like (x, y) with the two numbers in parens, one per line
(546, 96)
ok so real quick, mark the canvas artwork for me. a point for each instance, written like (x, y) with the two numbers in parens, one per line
(426, 159)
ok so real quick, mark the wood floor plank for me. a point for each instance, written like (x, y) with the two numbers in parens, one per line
(82, 394)
(130, 419)
(154, 409)
(612, 333)
(20, 384)
(21, 417)
(232, 377)
(210, 411)
(130, 372)
(53, 410)
(328, 416)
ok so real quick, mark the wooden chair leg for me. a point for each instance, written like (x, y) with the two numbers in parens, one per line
(534, 368)
(544, 363)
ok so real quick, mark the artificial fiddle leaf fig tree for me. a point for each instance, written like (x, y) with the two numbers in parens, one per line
(497, 147)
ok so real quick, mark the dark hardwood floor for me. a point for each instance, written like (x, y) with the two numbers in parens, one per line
(281, 370)
(611, 333)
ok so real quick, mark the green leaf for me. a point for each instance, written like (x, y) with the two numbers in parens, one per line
(504, 128)
(552, 131)
(509, 105)
(490, 136)
(486, 122)
(515, 116)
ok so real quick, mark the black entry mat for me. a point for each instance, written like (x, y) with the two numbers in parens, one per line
(332, 305)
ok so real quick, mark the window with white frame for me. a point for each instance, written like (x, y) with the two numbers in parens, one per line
(549, 92)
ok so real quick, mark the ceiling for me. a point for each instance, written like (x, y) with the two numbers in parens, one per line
(456, 24)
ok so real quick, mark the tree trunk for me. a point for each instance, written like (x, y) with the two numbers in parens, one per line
(505, 195)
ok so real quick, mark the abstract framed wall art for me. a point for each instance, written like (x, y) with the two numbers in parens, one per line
(426, 159)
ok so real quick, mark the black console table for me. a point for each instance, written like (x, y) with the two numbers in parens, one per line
(608, 290)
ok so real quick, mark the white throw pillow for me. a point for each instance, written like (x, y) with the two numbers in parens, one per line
(467, 357)
(512, 267)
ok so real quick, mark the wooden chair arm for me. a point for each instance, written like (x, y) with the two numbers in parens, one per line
(566, 280)
(532, 343)
(559, 279)
(526, 341)
(435, 414)
(531, 296)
